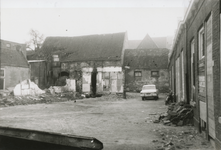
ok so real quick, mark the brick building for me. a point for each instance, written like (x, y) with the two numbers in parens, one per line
(147, 66)
(92, 62)
(194, 66)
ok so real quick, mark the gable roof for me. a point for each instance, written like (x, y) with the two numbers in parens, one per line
(13, 58)
(146, 58)
(147, 43)
(133, 44)
(85, 48)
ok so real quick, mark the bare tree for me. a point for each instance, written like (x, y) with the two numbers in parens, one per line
(36, 40)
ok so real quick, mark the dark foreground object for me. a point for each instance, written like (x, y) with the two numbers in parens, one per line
(23, 139)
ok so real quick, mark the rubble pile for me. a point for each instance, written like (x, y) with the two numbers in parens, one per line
(185, 138)
(178, 114)
(12, 100)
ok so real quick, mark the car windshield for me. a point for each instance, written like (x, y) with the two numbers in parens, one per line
(149, 87)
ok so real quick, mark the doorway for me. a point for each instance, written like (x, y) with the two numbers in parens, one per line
(94, 81)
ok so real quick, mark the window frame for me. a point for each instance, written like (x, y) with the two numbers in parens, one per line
(201, 43)
(3, 73)
(137, 72)
(158, 73)
(55, 58)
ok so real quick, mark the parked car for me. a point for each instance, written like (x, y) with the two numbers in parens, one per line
(149, 91)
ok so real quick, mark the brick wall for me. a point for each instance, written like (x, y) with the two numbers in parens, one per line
(135, 83)
(198, 17)
(75, 70)
(216, 68)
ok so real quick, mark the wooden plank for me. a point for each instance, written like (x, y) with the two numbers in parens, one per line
(203, 111)
(52, 138)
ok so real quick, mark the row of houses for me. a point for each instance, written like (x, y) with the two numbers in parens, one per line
(194, 66)
(92, 63)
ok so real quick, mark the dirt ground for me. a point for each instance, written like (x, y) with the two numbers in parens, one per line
(118, 123)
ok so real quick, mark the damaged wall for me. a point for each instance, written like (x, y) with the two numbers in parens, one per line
(38, 72)
(108, 75)
(135, 83)
(14, 75)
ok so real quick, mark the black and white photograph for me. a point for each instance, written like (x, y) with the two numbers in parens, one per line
(110, 75)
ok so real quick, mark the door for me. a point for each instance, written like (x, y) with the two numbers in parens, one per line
(2, 80)
(94, 81)
(192, 72)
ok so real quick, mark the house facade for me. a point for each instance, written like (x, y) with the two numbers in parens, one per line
(194, 66)
(14, 66)
(92, 62)
(146, 66)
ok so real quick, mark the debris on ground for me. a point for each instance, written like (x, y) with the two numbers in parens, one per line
(46, 97)
(27, 87)
(178, 114)
(184, 138)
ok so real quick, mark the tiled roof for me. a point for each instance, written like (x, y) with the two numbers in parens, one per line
(83, 48)
(147, 43)
(146, 58)
(13, 58)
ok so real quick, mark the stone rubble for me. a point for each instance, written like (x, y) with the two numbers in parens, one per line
(178, 114)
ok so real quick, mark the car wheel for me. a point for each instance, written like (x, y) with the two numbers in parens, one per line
(142, 98)
(156, 98)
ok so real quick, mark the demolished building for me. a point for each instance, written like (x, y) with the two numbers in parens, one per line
(93, 63)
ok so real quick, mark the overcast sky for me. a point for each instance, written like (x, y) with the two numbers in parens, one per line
(84, 17)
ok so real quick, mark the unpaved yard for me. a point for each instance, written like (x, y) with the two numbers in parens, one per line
(120, 124)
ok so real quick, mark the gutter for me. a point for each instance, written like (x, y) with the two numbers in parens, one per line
(180, 26)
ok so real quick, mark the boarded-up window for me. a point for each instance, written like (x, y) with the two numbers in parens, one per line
(137, 73)
(154, 73)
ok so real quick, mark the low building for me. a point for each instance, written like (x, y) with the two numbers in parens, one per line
(146, 66)
(14, 66)
(93, 62)
(194, 66)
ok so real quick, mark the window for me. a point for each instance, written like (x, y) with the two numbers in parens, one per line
(154, 73)
(55, 58)
(2, 73)
(56, 62)
(201, 39)
(137, 73)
